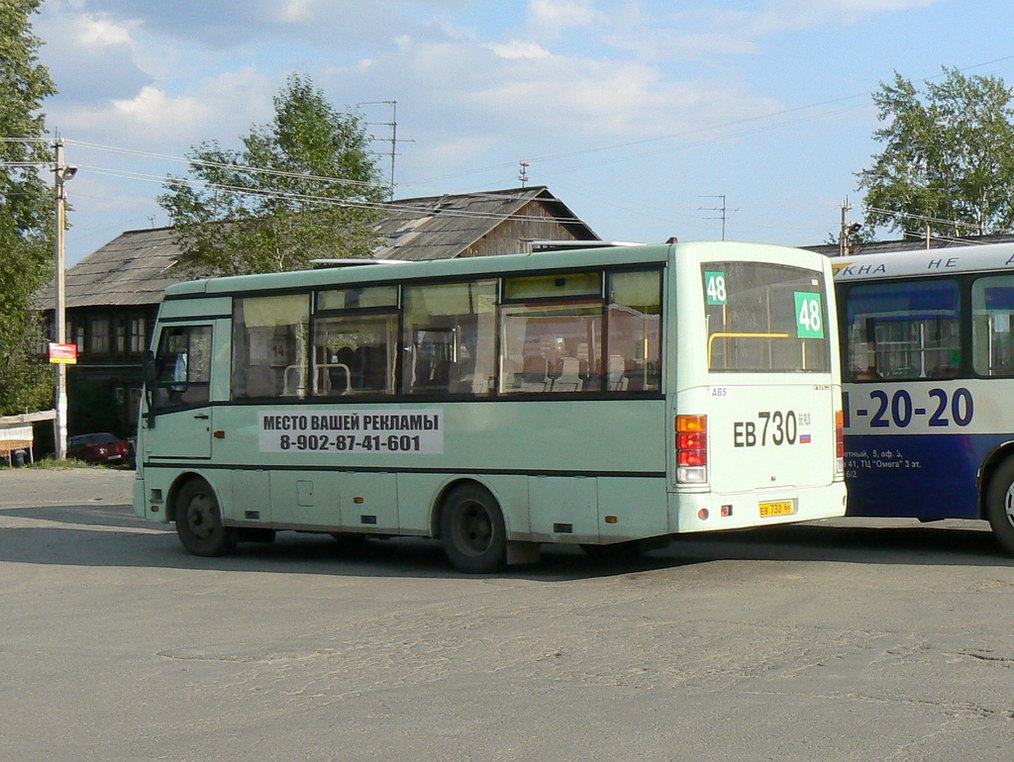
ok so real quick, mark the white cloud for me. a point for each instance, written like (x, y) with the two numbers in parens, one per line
(710, 32)
(101, 32)
(518, 49)
(455, 153)
(222, 108)
(553, 16)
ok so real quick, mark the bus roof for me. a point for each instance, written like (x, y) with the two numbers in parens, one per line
(597, 256)
(927, 262)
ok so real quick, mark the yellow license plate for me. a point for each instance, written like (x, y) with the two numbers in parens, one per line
(778, 508)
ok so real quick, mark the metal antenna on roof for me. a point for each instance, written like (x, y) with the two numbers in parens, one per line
(523, 174)
(723, 209)
(393, 124)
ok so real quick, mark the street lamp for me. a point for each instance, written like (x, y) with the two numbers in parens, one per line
(61, 173)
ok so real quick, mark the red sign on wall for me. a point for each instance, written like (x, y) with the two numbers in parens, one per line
(65, 353)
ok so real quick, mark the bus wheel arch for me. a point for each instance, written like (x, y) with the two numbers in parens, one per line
(1000, 455)
(174, 491)
(472, 529)
(440, 501)
(197, 512)
(999, 503)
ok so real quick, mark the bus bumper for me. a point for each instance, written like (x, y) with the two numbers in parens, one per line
(709, 511)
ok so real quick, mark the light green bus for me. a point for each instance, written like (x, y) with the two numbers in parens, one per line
(607, 397)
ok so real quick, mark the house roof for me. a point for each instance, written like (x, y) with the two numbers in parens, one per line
(132, 269)
(137, 266)
(442, 227)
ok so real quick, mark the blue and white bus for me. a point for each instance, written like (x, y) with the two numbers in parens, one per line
(929, 384)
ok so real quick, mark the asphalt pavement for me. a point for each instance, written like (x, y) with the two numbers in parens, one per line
(838, 640)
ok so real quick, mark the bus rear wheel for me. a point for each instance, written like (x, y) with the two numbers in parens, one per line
(1000, 504)
(199, 521)
(472, 531)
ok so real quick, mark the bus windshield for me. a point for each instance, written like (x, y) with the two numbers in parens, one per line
(765, 318)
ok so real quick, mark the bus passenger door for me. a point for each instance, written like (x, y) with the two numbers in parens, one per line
(180, 424)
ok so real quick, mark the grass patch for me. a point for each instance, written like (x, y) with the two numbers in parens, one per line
(50, 463)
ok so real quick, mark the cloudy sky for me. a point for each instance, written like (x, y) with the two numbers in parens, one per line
(636, 113)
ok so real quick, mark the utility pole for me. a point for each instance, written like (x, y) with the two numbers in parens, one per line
(723, 210)
(393, 124)
(61, 173)
(523, 174)
(843, 235)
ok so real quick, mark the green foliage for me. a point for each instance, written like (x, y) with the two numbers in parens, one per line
(26, 211)
(948, 156)
(232, 221)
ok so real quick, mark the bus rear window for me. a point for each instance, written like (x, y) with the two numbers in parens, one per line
(765, 318)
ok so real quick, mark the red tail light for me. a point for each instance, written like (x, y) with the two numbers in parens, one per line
(692, 446)
(839, 433)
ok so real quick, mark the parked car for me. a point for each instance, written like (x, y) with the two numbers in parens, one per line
(99, 448)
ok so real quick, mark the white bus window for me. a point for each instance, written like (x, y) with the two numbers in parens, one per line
(449, 338)
(553, 285)
(358, 298)
(269, 336)
(551, 348)
(903, 331)
(635, 311)
(765, 318)
(354, 354)
(992, 311)
(183, 364)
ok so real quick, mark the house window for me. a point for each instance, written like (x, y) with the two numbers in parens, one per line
(98, 339)
(120, 337)
(79, 336)
(137, 335)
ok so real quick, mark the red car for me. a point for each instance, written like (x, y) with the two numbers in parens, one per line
(98, 448)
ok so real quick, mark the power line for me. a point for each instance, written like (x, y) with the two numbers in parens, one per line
(226, 165)
(388, 207)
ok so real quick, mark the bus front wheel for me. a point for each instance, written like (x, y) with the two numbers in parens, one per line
(1000, 504)
(472, 531)
(199, 521)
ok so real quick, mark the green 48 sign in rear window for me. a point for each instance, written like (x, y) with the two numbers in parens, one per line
(809, 315)
(765, 317)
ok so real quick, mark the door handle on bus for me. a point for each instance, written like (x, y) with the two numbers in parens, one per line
(202, 416)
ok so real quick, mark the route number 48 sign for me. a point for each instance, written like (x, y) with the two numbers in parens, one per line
(809, 315)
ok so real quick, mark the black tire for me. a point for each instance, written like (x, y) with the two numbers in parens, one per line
(199, 521)
(1000, 504)
(472, 531)
(616, 552)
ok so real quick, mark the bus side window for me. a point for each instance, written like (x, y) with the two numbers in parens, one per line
(269, 336)
(183, 364)
(448, 338)
(903, 330)
(992, 312)
(634, 342)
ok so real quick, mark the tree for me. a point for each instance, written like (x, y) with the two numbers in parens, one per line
(26, 210)
(315, 194)
(948, 158)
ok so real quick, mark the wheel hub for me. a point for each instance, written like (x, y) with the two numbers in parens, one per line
(200, 517)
